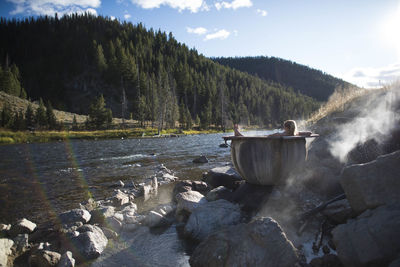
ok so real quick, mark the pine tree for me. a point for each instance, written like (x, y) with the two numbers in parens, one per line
(51, 117)
(99, 115)
(40, 116)
(74, 124)
(6, 115)
(29, 117)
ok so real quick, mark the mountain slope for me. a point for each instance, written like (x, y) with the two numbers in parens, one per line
(308, 81)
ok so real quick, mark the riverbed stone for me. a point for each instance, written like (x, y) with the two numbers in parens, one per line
(23, 226)
(155, 219)
(5, 250)
(339, 211)
(109, 233)
(372, 239)
(372, 184)
(119, 198)
(211, 217)
(75, 215)
(188, 201)
(201, 159)
(220, 192)
(21, 242)
(44, 258)
(100, 214)
(189, 185)
(328, 260)
(222, 176)
(150, 188)
(114, 223)
(66, 260)
(258, 243)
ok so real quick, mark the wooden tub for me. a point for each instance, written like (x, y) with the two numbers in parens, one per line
(268, 160)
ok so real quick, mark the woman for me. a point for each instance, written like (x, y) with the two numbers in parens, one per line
(290, 129)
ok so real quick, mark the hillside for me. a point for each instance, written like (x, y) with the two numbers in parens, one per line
(303, 79)
(149, 74)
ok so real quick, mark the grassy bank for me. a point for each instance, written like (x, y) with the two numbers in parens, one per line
(11, 137)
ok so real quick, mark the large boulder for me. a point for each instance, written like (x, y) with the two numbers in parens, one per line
(188, 185)
(251, 198)
(100, 214)
(89, 243)
(188, 201)
(225, 176)
(370, 240)
(119, 198)
(66, 260)
(210, 217)
(372, 184)
(259, 243)
(75, 215)
(23, 226)
(5, 250)
(220, 192)
(44, 258)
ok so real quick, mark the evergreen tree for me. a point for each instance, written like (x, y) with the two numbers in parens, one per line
(6, 115)
(18, 123)
(188, 119)
(99, 115)
(74, 124)
(197, 121)
(40, 116)
(29, 117)
(51, 117)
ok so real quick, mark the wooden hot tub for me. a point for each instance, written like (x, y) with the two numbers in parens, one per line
(268, 160)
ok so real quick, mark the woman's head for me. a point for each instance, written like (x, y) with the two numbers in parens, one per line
(290, 127)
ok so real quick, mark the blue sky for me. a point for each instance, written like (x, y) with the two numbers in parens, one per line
(357, 40)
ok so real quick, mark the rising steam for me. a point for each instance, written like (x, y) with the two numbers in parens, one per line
(377, 118)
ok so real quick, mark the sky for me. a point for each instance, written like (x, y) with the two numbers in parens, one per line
(357, 40)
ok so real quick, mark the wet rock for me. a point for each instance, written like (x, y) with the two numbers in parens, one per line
(259, 243)
(223, 145)
(201, 159)
(119, 198)
(220, 192)
(372, 239)
(372, 184)
(23, 226)
(44, 258)
(188, 201)
(339, 211)
(89, 244)
(225, 176)
(66, 260)
(211, 217)
(119, 184)
(75, 215)
(5, 250)
(328, 260)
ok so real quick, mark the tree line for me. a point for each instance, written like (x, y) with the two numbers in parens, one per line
(142, 74)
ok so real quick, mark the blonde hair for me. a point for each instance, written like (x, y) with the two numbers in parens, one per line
(291, 125)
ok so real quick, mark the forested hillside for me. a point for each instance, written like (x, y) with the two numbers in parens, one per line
(144, 74)
(301, 78)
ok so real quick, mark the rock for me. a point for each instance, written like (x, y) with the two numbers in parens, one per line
(100, 214)
(66, 260)
(119, 184)
(201, 159)
(23, 226)
(21, 242)
(150, 188)
(372, 184)
(251, 198)
(130, 227)
(119, 198)
(109, 233)
(220, 192)
(89, 244)
(395, 263)
(166, 178)
(328, 260)
(5, 250)
(372, 239)
(188, 185)
(259, 243)
(75, 215)
(225, 176)
(155, 219)
(114, 223)
(130, 209)
(89, 205)
(44, 258)
(4, 228)
(223, 145)
(188, 201)
(165, 209)
(339, 211)
(211, 217)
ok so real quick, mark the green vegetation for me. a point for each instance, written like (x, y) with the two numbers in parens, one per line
(301, 78)
(71, 60)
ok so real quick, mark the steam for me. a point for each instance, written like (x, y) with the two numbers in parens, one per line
(378, 117)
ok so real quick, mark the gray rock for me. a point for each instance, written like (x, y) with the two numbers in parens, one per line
(114, 223)
(370, 240)
(150, 188)
(201, 159)
(119, 198)
(130, 209)
(259, 243)
(155, 219)
(100, 214)
(395, 263)
(44, 258)
(218, 193)
(328, 260)
(21, 242)
(370, 185)
(225, 176)
(75, 215)
(211, 217)
(89, 244)
(189, 185)
(89, 205)
(188, 201)
(130, 227)
(109, 233)
(4, 228)
(23, 226)
(165, 209)
(339, 211)
(66, 260)
(5, 250)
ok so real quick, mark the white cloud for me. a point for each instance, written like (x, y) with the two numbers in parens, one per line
(192, 5)
(127, 16)
(262, 12)
(235, 4)
(50, 7)
(235, 32)
(221, 34)
(373, 77)
(198, 30)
